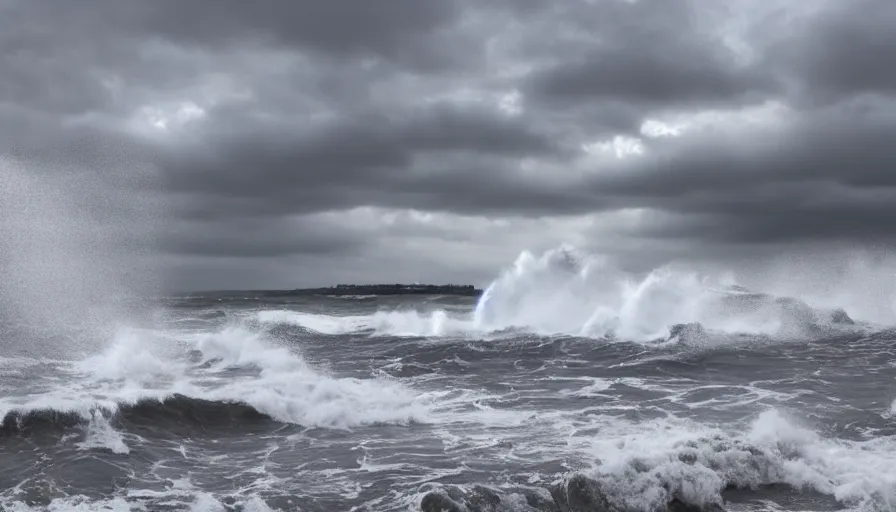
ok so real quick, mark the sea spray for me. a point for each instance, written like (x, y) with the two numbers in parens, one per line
(236, 365)
(75, 261)
(563, 292)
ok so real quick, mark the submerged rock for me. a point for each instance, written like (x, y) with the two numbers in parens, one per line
(839, 316)
(676, 505)
(484, 499)
(455, 499)
(580, 494)
(438, 502)
(686, 332)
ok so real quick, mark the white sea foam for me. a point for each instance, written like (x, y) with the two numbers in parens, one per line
(645, 464)
(891, 412)
(138, 500)
(324, 324)
(564, 293)
(282, 385)
(101, 435)
(289, 390)
(408, 323)
(138, 357)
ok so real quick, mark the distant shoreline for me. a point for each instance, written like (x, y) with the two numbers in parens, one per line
(391, 289)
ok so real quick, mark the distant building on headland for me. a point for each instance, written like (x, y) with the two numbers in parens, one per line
(392, 289)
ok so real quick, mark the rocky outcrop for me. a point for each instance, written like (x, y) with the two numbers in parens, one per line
(839, 316)
(438, 502)
(455, 499)
(577, 493)
(693, 331)
(391, 289)
(580, 494)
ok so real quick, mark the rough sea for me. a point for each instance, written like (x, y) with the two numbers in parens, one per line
(563, 388)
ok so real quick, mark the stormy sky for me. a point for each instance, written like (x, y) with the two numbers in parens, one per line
(284, 143)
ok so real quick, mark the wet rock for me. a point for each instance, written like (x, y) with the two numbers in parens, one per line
(438, 502)
(39, 493)
(687, 332)
(797, 310)
(580, 494)
(677, 505)
(540, 502)
(483, 499)
(839, 316)
(688, 457)
(455, 499)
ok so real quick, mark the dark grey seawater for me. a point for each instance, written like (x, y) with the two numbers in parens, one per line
(254, 402)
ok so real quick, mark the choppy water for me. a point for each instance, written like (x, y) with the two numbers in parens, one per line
(247, 401)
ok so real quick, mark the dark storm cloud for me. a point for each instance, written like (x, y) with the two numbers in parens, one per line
(383, 160)
(644, 75)
(829, 177)
(247, 121)
(646, 52)
(399, 30)
(260, 237)
(843, 50)
(839, 147)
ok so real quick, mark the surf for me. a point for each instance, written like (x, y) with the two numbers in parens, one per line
(563, 292)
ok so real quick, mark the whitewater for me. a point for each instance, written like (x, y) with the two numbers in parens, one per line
(569, 385)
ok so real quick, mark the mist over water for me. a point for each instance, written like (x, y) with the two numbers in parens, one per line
(76, 258)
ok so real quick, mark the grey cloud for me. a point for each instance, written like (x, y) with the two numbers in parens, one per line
(850, 150)
(816, 181)
(647, 52)
(394, 29)
(310, 107)
(347, 163)
(646, 74)
(260, 237)
(843, 50)
(399, 30)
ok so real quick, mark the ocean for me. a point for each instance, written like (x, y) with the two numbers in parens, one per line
(557, 390)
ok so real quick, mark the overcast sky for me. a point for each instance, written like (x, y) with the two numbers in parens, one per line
(283, 143)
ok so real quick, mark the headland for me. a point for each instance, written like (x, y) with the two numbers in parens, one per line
(391, 289)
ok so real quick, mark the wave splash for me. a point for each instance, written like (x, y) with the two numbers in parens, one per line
(204, 379)
(563, 292)
(674, 465)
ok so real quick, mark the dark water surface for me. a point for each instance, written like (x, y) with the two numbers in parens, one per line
(238, 402)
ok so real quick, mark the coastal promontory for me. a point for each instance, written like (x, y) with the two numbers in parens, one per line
(391, 289)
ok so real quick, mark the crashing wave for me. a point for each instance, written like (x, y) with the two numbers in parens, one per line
(175, 412)
(563, 293)
(549, 295)
(225, 374)
(655, 467)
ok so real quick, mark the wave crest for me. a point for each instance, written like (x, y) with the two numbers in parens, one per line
(171, 412)
(221, 375)
(562, 292)
(565, 293)
(667, 465)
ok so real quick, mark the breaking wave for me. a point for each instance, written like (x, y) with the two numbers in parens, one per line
(386, 323)
(175, 411)
(564, 293)
(205, 379)
(650, 466)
